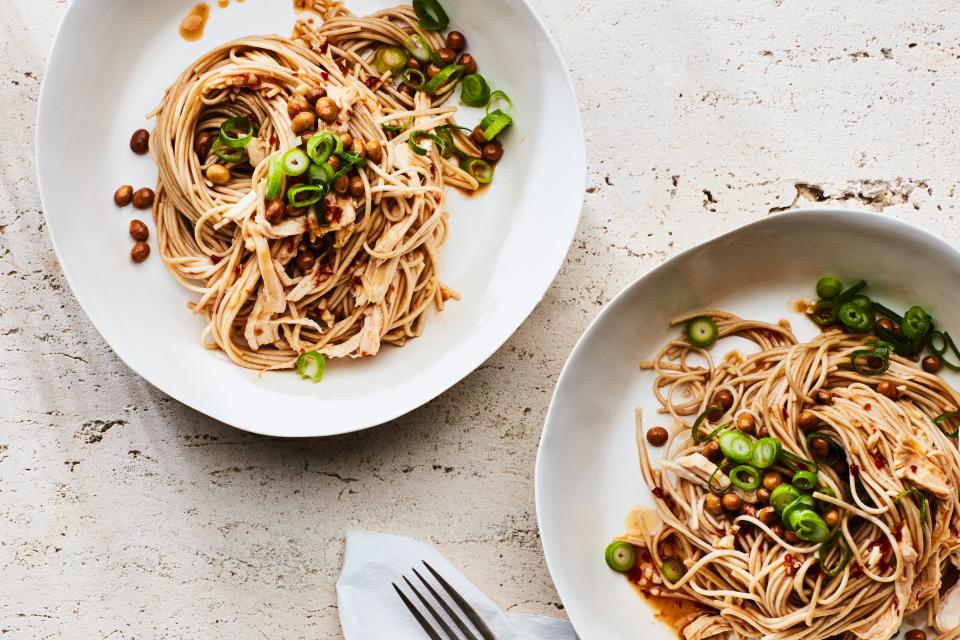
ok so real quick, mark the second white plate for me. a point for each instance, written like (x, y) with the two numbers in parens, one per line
(587, 476)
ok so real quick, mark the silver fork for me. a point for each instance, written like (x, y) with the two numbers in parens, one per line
(464, 606)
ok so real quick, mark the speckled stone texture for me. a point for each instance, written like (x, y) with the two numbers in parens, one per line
(124, 514)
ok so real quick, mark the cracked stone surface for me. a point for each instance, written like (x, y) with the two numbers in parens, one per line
(127, 515)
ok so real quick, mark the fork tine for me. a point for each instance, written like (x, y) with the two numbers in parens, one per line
(463, 604)
(436, 616)
(416, 614)
(450, 612)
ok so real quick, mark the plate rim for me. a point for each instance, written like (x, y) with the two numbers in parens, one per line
(540, 480)
(515, 320)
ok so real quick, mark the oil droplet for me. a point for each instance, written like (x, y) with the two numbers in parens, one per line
(191, 27)
(223, 4)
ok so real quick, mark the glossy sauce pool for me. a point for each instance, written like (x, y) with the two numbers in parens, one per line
(192, 25)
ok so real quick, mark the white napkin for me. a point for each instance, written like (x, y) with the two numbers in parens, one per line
(371, 610)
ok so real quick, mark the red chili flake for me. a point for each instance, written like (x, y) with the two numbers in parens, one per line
(324, 47)
(657, 493)
(215, 259)
(237, 270)
(898, 533)
(324, 75)
(878, 460)
(786, 416)
(854, 470)
(373, 83)
(868, 406)
(274, 141)
(341, 66)
(645, 555)
(334, 213)
(792, 564)
(913, 468)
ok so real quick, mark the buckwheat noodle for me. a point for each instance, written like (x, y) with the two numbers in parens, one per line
(377, 273)
(747, 581)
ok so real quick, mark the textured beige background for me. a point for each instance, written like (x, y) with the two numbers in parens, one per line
(124, 514)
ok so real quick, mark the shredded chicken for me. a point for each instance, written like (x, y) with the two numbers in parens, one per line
(259, 330)
(370, 333)
(706, 626)
(695, 467)
(948, 616)
(910, 462)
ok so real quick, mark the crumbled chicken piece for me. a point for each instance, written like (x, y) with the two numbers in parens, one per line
(948, 616)
(706, 626)
(910, 462)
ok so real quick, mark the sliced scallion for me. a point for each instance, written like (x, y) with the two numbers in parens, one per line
(765, 452)
(226, 154)
(701, 331)
(236, 132)
(673, 570)
(941, 419)
(295, 162)
(478, 168)
(736, 446)
(445, 80)
(304, 195)
(916, 493)
(310, 366)
(499, 96)
(620, 556)
(413, 78)
(493, 123)
(804, 480)
(783, 495)
(695, 432)
(474, 90)
(419, 48)
(416, 136)
(274, 177)
(824, 552)
(321, 146)
(392, 59)
(745, 477)
(431, 15)
(828, 288)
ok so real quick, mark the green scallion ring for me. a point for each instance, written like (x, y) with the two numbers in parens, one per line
(494, 123)
(274, 177)
(855, 318)
(320, 174)
(310, 366)
(752, 480)
(414, 79)
(701, 331)
(824, 552)
(673, 570)
(444, 80)
(295, 162)
(620, 556)
(809, 526)
(499, 96)
(419, 48)
(478, 168)
(474, 90)
(420, 135)
(321, 146)
(431, 15)
(804, 480)
(765, 452)
(828, 288)
(392, 59)
(239, 124)
(315, 192)
(226, 154)
(736, 446)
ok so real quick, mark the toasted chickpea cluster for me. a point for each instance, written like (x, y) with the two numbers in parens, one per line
(141, 199)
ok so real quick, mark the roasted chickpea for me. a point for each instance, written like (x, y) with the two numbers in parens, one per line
(297, 105)
(203, 144)
(327, 110)
(139, 252)
(275, 212)
(445, 56)
(347, 139)
(358, 148)
(294, 212)
(303, 122)
(341, 185)
(763, 496)
(712, 452)
(305, 260)
(356, 187)
(820, 446)
(433, 69)
(218, 174)
(468, 63)
(456, 41)
(791, 537)
(778, 530)
(334, 163)
(807, 420)
(139, 231)
(143, 198)
(916, 634)
(832, 517)
(140, 141)
(886, 324)
(762, 431)
(123, 195)
(723, 398)
(314, 93)
(822, 396)
(477, 136)
(657, 436)
(413, 63)
(840, 468)
(731, 502)
(373, 150)
(492, 151)
(767, 516)
(745, 422)
(888, 389)
(713, 504)
(930, 364)
(772, 480)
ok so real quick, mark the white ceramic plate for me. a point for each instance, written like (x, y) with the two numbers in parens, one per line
(587, 476)
(111, 62)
